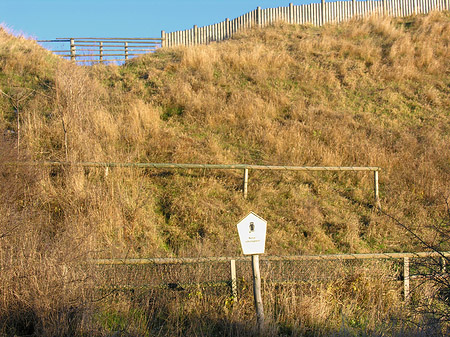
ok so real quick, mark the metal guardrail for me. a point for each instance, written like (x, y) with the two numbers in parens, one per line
(104, 50)
(245, 167)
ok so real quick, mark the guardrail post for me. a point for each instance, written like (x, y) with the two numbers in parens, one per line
(72, 49)
(233, 280)
(245, 182)
(376, 189)
(406, 278)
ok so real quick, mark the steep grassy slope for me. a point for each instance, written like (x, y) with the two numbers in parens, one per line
(373, 92)
(365, 93)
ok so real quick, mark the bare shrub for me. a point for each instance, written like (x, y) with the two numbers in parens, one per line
(44, 288)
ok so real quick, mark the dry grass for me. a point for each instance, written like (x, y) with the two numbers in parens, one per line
(364, 93)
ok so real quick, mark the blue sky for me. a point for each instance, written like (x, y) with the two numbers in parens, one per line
(49, 19)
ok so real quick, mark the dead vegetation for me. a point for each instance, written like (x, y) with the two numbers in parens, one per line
(364, 93)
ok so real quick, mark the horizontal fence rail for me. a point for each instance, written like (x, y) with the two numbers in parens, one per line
(272, 258)
(245, 167)
(184, 273)
(204, 166)
(103, 50)
(317, 14)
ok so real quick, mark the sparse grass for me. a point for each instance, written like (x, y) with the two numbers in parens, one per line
(364, 93)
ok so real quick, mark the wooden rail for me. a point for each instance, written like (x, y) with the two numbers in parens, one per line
(330, 257)
(244, 167)
(104, 50)
(317, 14)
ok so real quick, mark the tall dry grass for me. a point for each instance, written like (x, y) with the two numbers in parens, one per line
(43, 287)
(365, 93)
(371, 92)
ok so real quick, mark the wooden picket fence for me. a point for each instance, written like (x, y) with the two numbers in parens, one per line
(106, 50)
(316, 14)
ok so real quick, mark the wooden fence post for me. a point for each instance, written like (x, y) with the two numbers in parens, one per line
(406, 278)
(376, 189)
(233, 280)
(245, 182)
(126, 50)
(101, 51)
(72, 49)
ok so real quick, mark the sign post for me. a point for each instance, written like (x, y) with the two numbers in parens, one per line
(252, 233)
(257, 293)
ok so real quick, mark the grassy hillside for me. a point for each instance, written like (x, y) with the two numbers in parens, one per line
(364, 93)
(370, 93)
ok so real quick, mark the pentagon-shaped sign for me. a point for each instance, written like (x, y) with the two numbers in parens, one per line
(252, 233)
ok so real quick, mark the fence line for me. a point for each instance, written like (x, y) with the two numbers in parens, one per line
(406, 260)
(244, 167)
(174, 260)
(316, 14)
(103, 50)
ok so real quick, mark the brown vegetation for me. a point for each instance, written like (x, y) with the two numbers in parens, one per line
(364, 93)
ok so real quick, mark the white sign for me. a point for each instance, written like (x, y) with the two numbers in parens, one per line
(252, 232)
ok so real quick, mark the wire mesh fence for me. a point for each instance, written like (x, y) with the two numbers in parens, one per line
(176, 276)
(230, 276)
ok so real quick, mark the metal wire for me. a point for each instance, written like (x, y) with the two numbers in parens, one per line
(180, 274)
